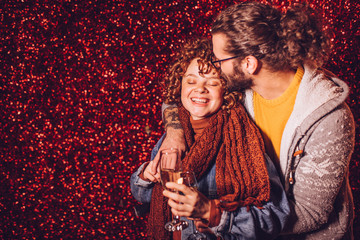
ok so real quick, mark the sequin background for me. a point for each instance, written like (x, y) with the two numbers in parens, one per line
(80, 106)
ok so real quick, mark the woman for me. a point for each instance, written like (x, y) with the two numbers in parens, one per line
(233, 199)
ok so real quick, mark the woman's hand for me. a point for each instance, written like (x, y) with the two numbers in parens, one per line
(148, 174)
(191, 203)
(202, 226)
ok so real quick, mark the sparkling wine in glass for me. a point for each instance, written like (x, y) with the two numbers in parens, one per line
(170, 171)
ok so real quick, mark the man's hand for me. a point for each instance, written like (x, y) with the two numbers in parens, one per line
(174, 137)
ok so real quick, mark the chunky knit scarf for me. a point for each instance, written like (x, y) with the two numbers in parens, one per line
(234, 144)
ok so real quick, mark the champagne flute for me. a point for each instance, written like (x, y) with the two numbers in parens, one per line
(170, 171)
(189, 180)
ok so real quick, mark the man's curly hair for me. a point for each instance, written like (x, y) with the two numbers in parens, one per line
(202, 49)
(281, 40)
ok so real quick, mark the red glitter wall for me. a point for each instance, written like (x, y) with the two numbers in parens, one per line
(80, 106)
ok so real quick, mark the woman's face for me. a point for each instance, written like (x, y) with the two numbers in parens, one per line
(202, 95)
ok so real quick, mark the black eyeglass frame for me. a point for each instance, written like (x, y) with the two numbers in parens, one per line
(221, 60)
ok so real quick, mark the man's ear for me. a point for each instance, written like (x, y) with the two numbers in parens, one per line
(251, 65)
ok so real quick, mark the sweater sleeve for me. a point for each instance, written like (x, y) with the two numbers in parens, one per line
(165, 106)
(321, 172)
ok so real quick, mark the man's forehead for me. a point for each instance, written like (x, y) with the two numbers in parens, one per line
(219, 43)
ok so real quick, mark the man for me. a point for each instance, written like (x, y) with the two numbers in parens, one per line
(300, 108)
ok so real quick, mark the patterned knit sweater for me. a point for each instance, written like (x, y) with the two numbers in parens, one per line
(315, 152)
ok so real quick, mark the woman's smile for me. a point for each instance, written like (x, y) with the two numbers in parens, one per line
(200, 100)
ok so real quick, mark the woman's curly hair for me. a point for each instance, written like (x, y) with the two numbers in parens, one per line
(198, 48)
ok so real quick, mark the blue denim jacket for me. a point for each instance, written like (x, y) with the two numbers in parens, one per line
(264, 223)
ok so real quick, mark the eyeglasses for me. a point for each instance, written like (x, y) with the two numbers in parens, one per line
(217, 63)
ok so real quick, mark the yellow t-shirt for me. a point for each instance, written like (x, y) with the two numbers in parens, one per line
(272, 115)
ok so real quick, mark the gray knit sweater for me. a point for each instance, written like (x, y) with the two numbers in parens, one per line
(316, 181)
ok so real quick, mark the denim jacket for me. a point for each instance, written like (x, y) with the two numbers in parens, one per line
(256, 223)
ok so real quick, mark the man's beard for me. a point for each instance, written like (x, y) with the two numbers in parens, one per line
(237, 81)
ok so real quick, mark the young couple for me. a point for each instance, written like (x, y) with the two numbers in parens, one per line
(306, 129)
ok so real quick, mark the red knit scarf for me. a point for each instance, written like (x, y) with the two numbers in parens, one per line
(235, 144)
